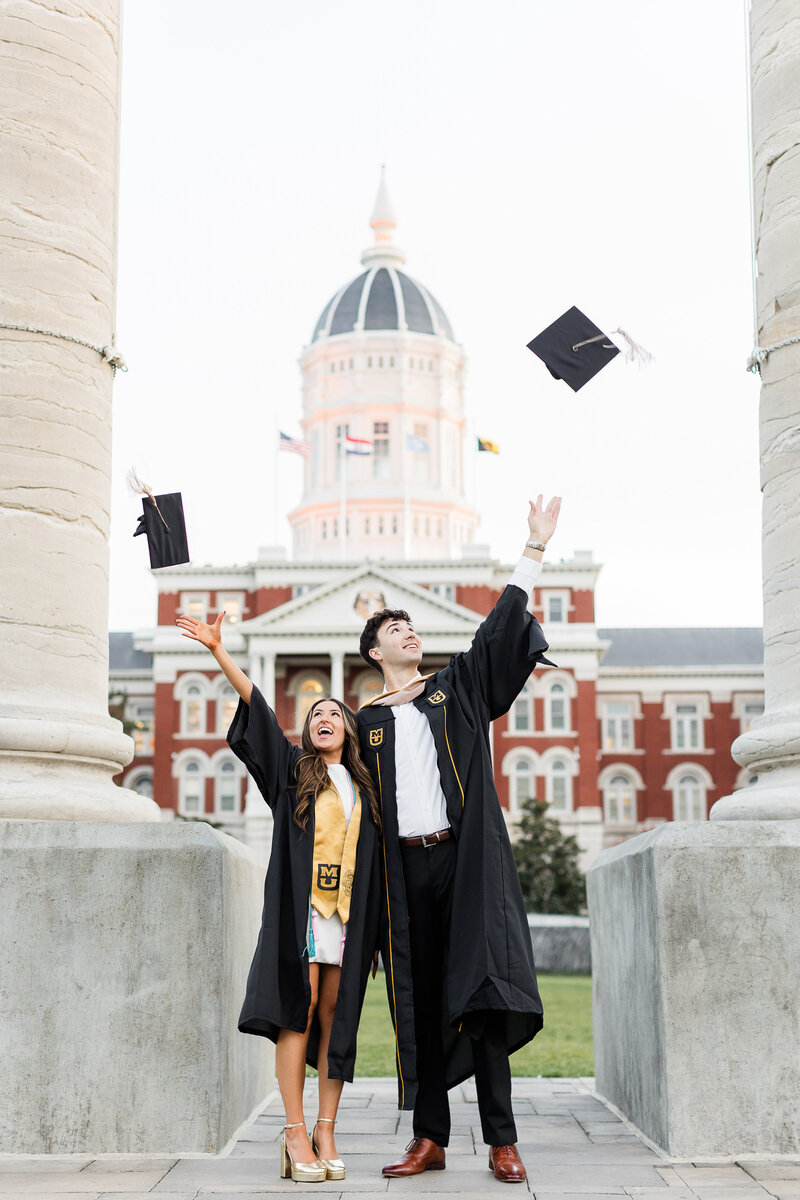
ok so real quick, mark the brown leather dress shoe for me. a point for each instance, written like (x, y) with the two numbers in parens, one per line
(421, 1155)
(507, 1164)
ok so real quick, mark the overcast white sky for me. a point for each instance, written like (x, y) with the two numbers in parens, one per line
(538, 156)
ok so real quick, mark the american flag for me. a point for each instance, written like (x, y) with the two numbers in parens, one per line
(294, 445)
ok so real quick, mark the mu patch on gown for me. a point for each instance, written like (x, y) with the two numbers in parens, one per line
(490, 961)
(278, 990)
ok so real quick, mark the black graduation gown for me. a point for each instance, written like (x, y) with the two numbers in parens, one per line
(490, 963)
(278, 990)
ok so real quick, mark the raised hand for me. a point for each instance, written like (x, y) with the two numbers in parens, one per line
(208, 635)
(542, 521)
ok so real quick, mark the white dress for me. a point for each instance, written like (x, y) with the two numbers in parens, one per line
(329, 933)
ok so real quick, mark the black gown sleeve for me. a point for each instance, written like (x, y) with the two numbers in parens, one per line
(506, 648)
(256, 738)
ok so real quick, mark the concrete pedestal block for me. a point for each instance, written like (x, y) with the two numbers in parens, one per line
(696, 977)
(124, 951)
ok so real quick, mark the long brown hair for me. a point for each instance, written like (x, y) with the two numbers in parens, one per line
(312, 773)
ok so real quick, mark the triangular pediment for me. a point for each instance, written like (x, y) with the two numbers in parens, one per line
(344, 603)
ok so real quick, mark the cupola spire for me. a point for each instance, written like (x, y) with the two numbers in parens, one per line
(383, 253)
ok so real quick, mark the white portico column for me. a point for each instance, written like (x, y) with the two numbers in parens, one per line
(771, 749)
(58, 145)
(257, 816)
(337, 674)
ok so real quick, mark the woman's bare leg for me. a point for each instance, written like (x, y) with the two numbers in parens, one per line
(330, 1090)
(290, 1068)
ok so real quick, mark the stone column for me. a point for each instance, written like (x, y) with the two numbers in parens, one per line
(771, 749)
(58, 144)
(257, 816)
(695, 938)
(337, 674)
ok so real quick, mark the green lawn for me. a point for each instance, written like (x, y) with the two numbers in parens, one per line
(564, 1046)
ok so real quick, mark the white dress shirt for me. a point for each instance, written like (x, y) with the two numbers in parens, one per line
(421, 804)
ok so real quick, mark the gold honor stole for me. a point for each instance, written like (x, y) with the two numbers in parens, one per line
(335, 845)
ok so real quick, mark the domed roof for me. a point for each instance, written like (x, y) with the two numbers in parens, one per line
(383, 296)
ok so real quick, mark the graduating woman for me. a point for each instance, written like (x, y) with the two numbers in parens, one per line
(319, 926)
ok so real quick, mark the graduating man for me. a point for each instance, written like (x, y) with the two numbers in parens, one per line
(457, 948)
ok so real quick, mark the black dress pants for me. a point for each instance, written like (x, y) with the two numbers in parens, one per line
(429, 873)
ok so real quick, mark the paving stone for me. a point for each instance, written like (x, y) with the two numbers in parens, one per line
(16, 1165)
(606, 1195)
(589, 1152)
(79, 1183)
(593, 1177)
(774, 1170)
(47, 1195)
(783, 1187)
(726, 1191)
(713, 1176)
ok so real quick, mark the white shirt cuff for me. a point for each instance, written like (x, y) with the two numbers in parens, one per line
(526, 575)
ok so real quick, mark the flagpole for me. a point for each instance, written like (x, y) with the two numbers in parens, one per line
(406, 503)
(343, 500)
(475, 457)
(276, 487)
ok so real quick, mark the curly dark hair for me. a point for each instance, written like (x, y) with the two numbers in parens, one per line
(369, 638)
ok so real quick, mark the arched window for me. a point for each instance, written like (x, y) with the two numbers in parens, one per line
(521, 784)
(227, 703)
(521, 717)
(140, 780)
(559, 785)
(689, 798)
(368, 687)
(309, 691)
(227, 787)
(619, 800)
(192, 692)
(558, 715)
(192, 786)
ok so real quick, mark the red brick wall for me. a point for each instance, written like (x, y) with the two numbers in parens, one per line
(582, 605)
(479, 598)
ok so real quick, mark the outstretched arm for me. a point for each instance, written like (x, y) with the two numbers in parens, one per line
(509, 643)
(210, 636)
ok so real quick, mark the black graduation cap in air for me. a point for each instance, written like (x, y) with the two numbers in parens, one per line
(163, 522)
(574, 349)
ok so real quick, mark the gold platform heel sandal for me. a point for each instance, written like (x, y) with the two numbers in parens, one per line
(312, 1172)
(334, 1167)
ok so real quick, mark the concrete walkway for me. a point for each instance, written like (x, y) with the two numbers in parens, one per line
(572, 1145)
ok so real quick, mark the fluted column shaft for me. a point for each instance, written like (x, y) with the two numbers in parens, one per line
(771, 749)
(58, 144)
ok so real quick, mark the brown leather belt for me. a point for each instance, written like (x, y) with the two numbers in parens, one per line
(428, 839)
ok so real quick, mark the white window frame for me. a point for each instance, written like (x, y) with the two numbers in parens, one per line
(200, 599)
(741, 703)
(220, 763)
(677, 779)
(700, 702)
(548, 760)
(143, 739)
(179, 772)
(221, 697)
(182, 692)
(445, 591)
(224, 600)
(510, 769)
(610, 739)
(562, 594)
(297, 690)
(605, 782)
(522, 706)
(136, 776)
(366, 685)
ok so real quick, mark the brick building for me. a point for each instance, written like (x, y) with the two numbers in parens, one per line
(633, 728)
